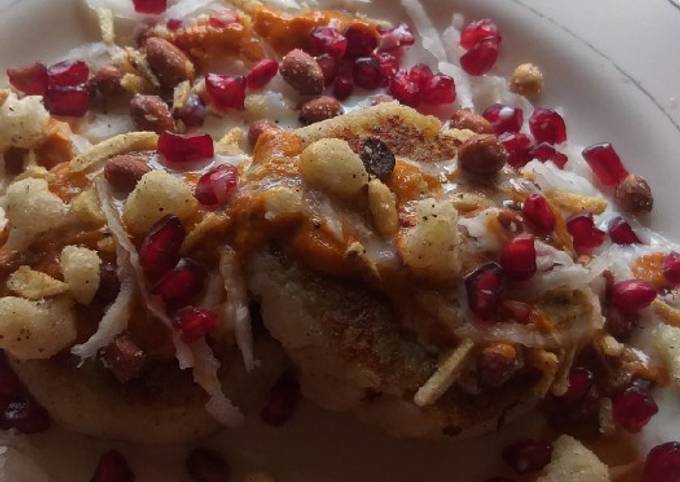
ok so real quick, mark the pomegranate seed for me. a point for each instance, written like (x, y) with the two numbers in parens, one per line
(159, 252)
(178, 287)
(546, 125)
(605, 163)
(192, 113)
(544, 152)
(25, 415)
(405, 90)
(226, 92)
(150, 6)
(584, 233)
(399, 36)
(68, 101)
(633, 295)
(366, 73)
(360, 42)
(621, 232)
(484, 288)
(206, 465)
(389, 65)
(113, 467)
(504, 118)
(441, 89)
(480, 58)
(263, 72)
(329, 66)
(283, 400)
(68, 73)
(180, 150)
(528, 455)
(633, 407)
(671, 267)
(217, 186)
(31, 80)
(343, 88)
(663, 463)
(538, 212)
(174, 24)
(421, 74)
(519, 257)
(195, 323)
(327, 40)
(479, 30)
(580, 382)
(517, 145)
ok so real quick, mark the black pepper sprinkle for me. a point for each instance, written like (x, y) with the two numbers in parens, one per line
(377, 158)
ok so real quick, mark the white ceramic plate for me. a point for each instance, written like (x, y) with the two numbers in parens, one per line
(613, 67)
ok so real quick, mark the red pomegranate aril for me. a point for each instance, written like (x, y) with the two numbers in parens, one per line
(546, 125)
(68, 73)
(217, 186)
(343, 88)
(484, 287)
(421, 74)
(478, 30)
(481, 58)
(544, 152)
(605, 163)
(621, 233)
(405, 90)
(663, 463)
(633, 407)
(113, 467)
(671, 267)
(632, 296)
(283, 399)
(584, 234)
(160, 249)
(25, 415)
(68, 101)
(440, 90)
(327, 40)
(206, 465)
(192, 113)
(366, 73)
(504, 118)
(174, 24)
(194, 323)
(580, 382)
(181, 285)
(517, 145)
(537, 211)
(528, 455)
(399, 36)
(181, 150)
(226, 92)
(31, 80)
(262, 73)
(388, 64)
(519, 257)
(154, 7)
(360, 42)
(329, 67)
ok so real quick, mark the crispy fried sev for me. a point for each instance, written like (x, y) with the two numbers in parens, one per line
(572, 462)
(120, 144)
(34, 285)
(670, 315)
(573, 203)
(445, 375)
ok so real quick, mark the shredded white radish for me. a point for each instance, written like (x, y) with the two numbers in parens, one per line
(550, 177)
(206, 375)
(235, 310)
(425, 29)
